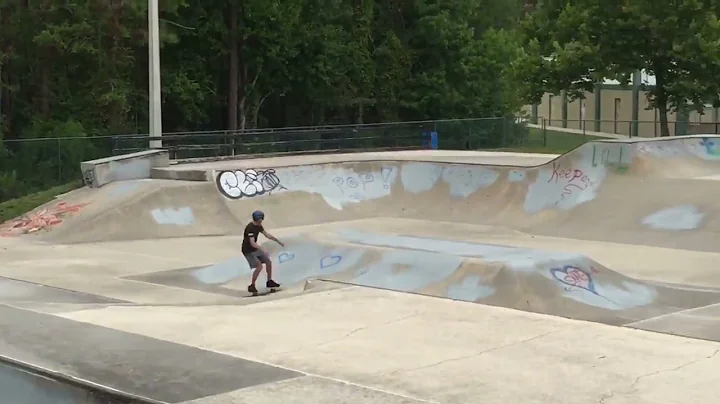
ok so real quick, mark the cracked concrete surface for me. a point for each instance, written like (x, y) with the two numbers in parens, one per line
(622, 394)
(419, 349)
(474, 355)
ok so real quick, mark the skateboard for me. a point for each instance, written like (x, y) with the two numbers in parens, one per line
(263, 291)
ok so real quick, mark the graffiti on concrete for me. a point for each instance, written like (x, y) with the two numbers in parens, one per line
(247, 183)
(340, 186)
(285, 257)
(616, 293)
(385, 173)
(616, 156)
(574, 276)
(329, 261)
(565, 183)
(659, 149)
(711, 146)
(682, 217)
(351, 184)
(44, 219)
(89, 177)
(571, 179)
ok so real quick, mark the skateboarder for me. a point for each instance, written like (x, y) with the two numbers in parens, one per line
(254, 254)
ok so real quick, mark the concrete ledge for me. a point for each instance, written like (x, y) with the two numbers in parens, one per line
(581, 132)
(182, 175)
(133, 166)
(125, 364)
(26, 383)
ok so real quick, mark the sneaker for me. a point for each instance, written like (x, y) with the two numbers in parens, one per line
(252, 289)
(272, 284)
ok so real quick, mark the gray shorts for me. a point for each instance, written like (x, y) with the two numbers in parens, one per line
(256, 257)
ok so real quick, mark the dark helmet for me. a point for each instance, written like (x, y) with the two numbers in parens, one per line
(258, 215)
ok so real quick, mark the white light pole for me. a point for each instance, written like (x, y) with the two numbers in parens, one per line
(154, 70)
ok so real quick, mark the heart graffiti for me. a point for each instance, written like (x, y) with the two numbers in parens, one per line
(329, 260)
(285, 257)
(574, 276)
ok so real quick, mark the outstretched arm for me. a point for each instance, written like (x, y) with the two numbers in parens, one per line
(273, 238)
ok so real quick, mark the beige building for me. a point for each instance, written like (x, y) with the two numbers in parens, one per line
(611, 109)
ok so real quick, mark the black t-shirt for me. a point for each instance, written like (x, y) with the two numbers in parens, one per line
(252, 230)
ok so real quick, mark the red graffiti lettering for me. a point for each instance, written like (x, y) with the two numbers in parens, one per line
(575, 179)
(44, 219)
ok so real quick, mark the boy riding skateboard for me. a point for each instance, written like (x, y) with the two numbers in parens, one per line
(254, 254)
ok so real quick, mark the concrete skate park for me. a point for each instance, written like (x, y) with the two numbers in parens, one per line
(408, 277)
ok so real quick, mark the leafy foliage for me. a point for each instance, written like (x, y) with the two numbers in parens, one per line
(572, 45)
(78, 68)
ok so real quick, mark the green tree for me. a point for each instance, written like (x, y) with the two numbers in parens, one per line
(79, 69)
(572, 45)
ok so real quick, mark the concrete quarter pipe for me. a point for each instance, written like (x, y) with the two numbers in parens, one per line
(408, 225)
(614, 232)
(414, 226)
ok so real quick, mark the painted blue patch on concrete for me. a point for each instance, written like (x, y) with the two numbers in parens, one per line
(223, 272)
(470, 289)
(302, 260)
(408, 271)
(169, 216)
(682, 217)
(520, 259)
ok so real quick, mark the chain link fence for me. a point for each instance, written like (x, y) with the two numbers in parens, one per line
(31, 165)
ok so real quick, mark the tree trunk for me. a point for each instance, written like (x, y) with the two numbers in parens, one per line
(243, 76)
(232, 108)
(661, 102)
(44, 96)
(662, 112)
(256, 112)
(2, 46)
(242, 91)
(6, 112)
(1, 97)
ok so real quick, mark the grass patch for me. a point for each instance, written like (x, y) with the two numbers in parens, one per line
(551, 142)
(20, 206)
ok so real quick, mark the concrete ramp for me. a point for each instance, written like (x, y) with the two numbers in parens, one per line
(128, 210)
(657, 193)
(563, 284)
(640, 192)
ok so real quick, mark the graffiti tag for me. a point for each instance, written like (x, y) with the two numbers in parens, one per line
(44, 219)
(574, 276)
(575, 179)
(329, 261)
(385, 173)
(351, 182)
(285, 257)
(248, 183)
(610, 157)
(711, 146)
(89, 177)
